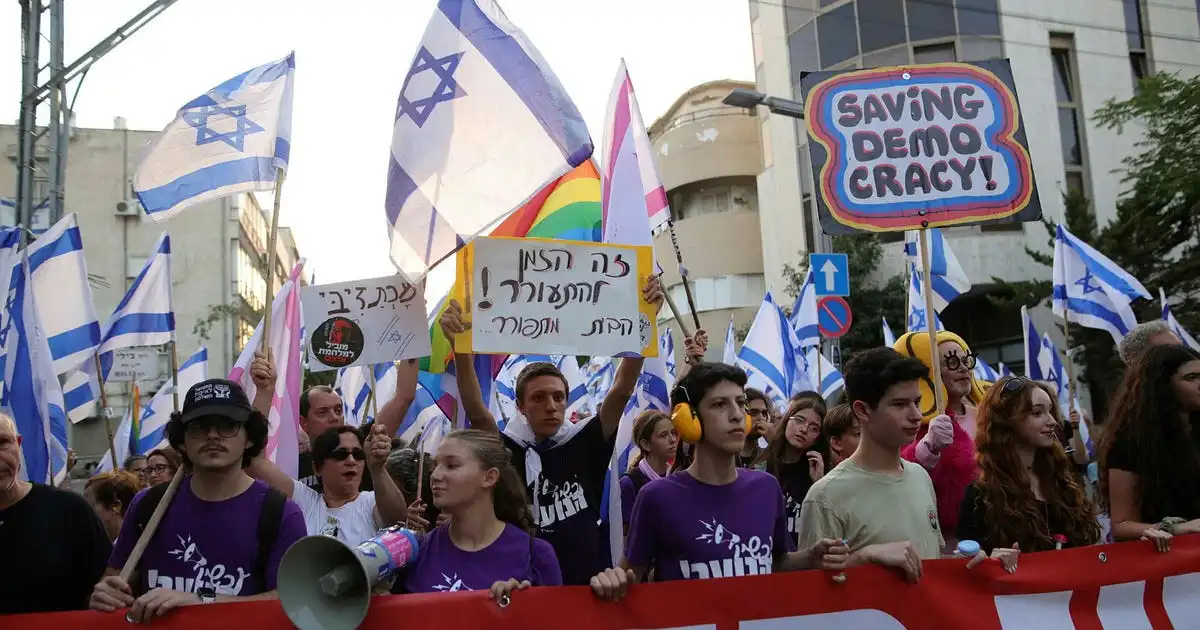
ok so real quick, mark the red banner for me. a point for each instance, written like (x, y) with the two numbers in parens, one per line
(1105, 587)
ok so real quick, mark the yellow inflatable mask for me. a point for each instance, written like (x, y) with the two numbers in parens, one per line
(916, 345)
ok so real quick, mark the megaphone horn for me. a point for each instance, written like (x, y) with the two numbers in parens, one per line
(325, 584)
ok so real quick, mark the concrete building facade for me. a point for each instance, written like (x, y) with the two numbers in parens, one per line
(1069, 57)
(217, 249)
(709, 157)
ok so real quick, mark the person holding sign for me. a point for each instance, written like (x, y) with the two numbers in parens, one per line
(945, 445)
(223, 535)
(563, 465)
(713, 519)
(488, 542)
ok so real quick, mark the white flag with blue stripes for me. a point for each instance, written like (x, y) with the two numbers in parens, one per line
(804, 313)
(771, 354)
(917, 315)
(481, 125)
(729, 353)
(1091, 290)
(1179, 330)
(984, 372)
(60, 282)
(10, 261)
(599, 375)
(666, 348)
(145, 316)
(1042, 361)
(231, 139)
(423, 411)
(156, 414)
(32, 395)
(577, 398)
(947, 276)
(830, 377)
(889, 337)
(354, 387)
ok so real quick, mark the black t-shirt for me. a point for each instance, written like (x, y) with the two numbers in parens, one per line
(795, 481)
(1178, 500)
(54, 550)
(973, 520)
(567, 510)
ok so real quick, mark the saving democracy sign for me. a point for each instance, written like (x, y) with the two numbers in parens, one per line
(1110, 587)
(918, 146)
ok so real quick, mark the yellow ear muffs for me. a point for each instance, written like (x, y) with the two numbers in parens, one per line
(749, 424)
(687, 425)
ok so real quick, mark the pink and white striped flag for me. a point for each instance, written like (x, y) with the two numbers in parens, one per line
(282, 445)
(635, 201)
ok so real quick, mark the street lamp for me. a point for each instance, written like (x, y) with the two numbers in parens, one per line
(749, 99)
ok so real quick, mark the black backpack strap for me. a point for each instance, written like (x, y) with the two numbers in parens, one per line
(269, 518)
(150, 500)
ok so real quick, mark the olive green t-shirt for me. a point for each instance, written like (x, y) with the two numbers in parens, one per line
(869, 508)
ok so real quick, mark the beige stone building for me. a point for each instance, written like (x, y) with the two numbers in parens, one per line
(709, 157)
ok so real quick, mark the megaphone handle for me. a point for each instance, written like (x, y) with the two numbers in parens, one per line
(135, 556)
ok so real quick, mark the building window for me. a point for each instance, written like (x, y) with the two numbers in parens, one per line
(802, 51)
(837, 32)
(884, 27)
(937, 53)
(1066, 88)
(978, 49)
(245, 331)
(978, 17)
(1139, 63)
(251, 284)
(930, 19)
(714, 196)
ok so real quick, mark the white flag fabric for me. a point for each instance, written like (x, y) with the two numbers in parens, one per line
(145, 316)
(1179, 330)
(60, 283)
(917, 315)
(231, 139)
(947, 276)
(804, 313)
(635, 201)
(482, 124)
(729, 353)
(771, 354)
(889, 337)
(1091, 290)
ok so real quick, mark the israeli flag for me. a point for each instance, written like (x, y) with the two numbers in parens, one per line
(423, 411)
(599, 375)
(666, 348)
(39, 223)
(1090, 289)
(1042, 361)
(1168, 317)
(481, 124)
(916, 304)
(145, 316)
(889, 337)
(771, 354)
(60, 283)
(230, 140)
(32, 395)
(1004, 371)
(830, 377)
(157, 412)
(506, 381)
(354, 386)
(804, 314)
(984, 372)
(729, 354)
(10, 261)
(946, 276)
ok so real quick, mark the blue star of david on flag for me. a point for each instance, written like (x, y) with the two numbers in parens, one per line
(916, 319)
(447, 89)
(1086, 282)
(198, 118)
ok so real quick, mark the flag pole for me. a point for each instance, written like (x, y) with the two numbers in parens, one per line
(174, 375)
(143, 541)
(106, 412)
(675, 313)
(931, 323)
(272, 257)
(374, 385)
(683, 275)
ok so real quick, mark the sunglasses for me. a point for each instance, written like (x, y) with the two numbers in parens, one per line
(225, 427)
(952, 361)
(342, 453)
(1015, 384)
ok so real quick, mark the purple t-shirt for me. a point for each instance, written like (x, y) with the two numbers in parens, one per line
(688, 530)
(208, 542)
(441, 567)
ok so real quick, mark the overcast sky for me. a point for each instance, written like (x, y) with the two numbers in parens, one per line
(351, 58)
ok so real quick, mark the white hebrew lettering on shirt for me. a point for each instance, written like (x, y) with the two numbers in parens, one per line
(792, 509)
(223, 581)
(751, 557)
(558, 503)
(451, 584)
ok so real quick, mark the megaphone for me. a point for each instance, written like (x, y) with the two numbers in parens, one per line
(325, 584)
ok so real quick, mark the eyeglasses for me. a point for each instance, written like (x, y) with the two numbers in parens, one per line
(225, 427)
(341, 454)
(157, 468)
(953, 362)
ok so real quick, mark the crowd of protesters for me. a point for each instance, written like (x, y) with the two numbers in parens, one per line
(723, 484)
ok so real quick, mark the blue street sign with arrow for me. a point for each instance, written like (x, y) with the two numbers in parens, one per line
(831, 274)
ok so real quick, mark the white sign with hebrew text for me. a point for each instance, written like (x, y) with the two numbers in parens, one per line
(364, 322)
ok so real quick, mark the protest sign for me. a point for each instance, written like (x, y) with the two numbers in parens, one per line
(548, 296)
(133, 364)
(364, 322)
(913, 147)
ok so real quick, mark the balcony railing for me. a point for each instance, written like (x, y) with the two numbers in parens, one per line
(716, 112)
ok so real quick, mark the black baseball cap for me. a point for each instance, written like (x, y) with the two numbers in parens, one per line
(216, 397)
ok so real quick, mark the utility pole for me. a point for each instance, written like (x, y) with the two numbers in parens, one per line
(44, 152)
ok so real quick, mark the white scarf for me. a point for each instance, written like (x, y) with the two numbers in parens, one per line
(519, 431)
(647, 470)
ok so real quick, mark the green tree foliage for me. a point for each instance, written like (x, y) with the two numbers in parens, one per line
(1154, 234)
(868, 301)
(216, 314)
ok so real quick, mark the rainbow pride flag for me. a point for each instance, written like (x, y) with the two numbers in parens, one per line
(569, 208)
